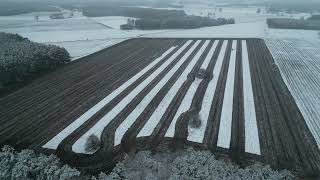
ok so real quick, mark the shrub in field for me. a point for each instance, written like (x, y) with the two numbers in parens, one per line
(92, 143)
(193, 117)
(189, 165)
(195, 121)
(20, 58)
(202, 74)
(28, 165)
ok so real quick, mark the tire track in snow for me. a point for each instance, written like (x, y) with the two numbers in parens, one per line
(224, 135)
(97, 129)
(161, 109)
(186, 102)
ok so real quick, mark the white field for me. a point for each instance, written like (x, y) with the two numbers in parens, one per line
(81, 35)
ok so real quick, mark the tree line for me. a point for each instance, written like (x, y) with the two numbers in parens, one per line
(20, 58)
(288, 23)
(187, 22)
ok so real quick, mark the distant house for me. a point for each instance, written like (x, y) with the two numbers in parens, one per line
(57, 16)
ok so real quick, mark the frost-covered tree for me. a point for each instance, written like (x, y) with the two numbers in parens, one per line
(191, 165)
(20, 57)
(29, 165)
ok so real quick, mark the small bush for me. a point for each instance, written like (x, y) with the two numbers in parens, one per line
(195, 121)
(202, 74)
(92, 144)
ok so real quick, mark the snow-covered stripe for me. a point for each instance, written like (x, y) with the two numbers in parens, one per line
(224, 136)
(97, 129)
(198, 135)
(55, 141)
(252, 144)
(187, 100)
(127, 123)
(164, 104)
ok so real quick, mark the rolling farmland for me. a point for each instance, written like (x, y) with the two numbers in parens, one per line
(145, 93)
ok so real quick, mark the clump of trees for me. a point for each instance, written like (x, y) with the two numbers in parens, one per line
(21, 58)
(29, 165)
(287, 23)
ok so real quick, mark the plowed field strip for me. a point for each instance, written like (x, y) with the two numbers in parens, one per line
(216, 100)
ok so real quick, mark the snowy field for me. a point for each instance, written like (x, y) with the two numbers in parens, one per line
(81, 35)
(299, 63)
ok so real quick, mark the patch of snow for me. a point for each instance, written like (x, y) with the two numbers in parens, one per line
(79, 49)
(252, 144)
(243, 30)
(224, 135)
